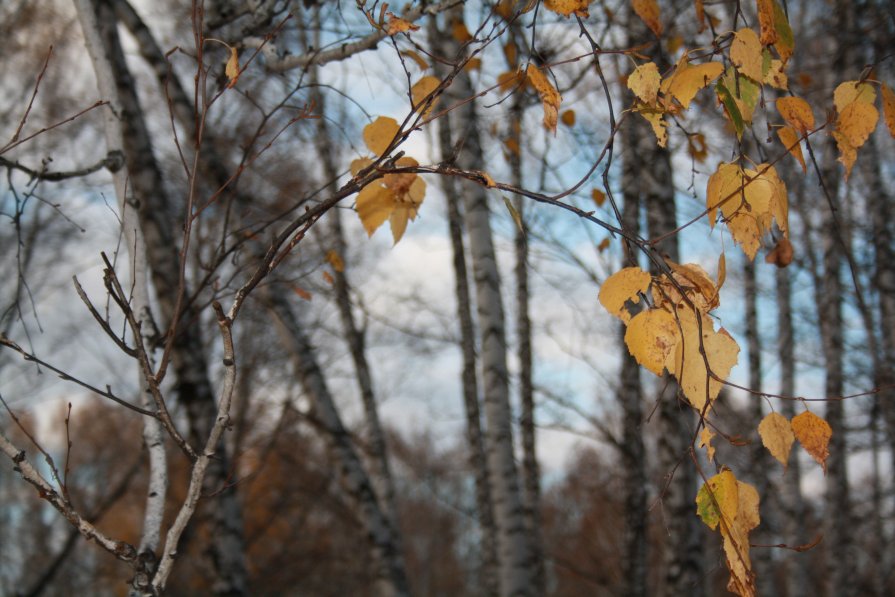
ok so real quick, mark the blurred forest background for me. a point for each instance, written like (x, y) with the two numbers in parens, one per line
(455, 414)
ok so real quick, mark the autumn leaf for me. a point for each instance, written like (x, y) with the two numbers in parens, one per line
(232, 68)
(599, 197)
(766, 22)
(567, 8)
(694, 349)
(785, 42)
(777, 436)
(604, 244)
(745, 53)
(790, 140)
(623, 286)
(328, 278)
(695, 283)
(648, 11)
(656, 119)
(650, 337)
(568, 118)
(379, 134)
(688, 79)
(697, 147)
(420, 61)
(335, 260)
(705, 441)
(718, 500)
(398, 25)
(782, 253)
(550, 97)
(421, 90)
(797, 113)
(888, 107)
(359, 164)
(722, 271)
(644, 82)
(396, 197)
(460, 33)
(374, 205)
(852, 91)
(509, 80)
(304, 294)
(814, 434)
(776, 75)
(856, 121)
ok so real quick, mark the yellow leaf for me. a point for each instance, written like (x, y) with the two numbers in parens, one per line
(510, 51)
(374, 205)
(656, 119)
(420, 61)
(359, 164)
(460, 32)
(473, 64)
(888, 107)
(720, 351)
(814, 434)
(644, 82)
(705, 441)
(568, 118)
(398, 25)
(776, 435)
(849, 153)
(722, 271)
(776, 75)
(856, 121)
(550, 97)
(648, 11)
(621, 287)
(567, 8)
(509, 80)
(599, 197)
(736, 541)
(421, 90)
(232, 68)
(745, 53)
(693, 281)
(379, 134)
(651, 336)
(722, 188)
(718, 500)
(853, 91)
(797, 113)
(790, 139)
(688, 79)
(335, 260)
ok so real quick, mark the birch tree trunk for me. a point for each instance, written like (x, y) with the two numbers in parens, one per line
(515, 562)
(631, 391)
(391, 573)
(483, 494)
(154, 210)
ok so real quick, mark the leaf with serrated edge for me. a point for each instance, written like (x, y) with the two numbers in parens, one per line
(797, 113)
(853, 91)
(745, 53)
(651, 336)
(814, 434)
(621, 287)
(856, 121)
(705, 441)
(688, 79)
(776, 435)
(718, 500)
(721, 352)
(644, 82)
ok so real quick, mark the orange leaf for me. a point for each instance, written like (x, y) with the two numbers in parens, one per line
(797, 113)
(599, 197)
(550, 97)
(398, 25)
(568, 118)
(781, 255)
(790, 139)
(302, 293)
(766, 22)
(648, 11)
(888, 107)
(567, 8)
(814, 434)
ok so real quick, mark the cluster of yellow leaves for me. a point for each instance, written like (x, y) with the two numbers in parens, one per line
(675, 333)
(778, 434)
(656, 96)
(750, 202)
(395, 197)
(857, 117)
(731, 506)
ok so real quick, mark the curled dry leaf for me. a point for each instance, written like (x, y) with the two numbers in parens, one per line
(398, 25)
(705, 441)
(232, 68)
(550, 97)
(888, 107)
(782, 254)
(814, 434)
(648, 11)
